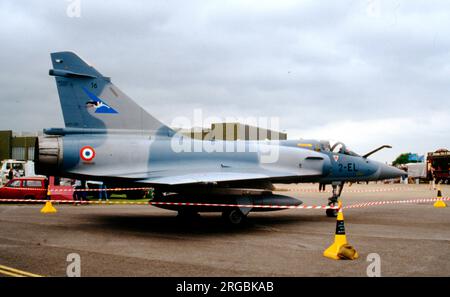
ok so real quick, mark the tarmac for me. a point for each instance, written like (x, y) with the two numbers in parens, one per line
(141, 240)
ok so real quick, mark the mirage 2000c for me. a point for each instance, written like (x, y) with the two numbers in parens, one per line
(108, 137)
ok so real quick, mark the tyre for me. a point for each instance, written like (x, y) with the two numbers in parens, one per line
(234, 217)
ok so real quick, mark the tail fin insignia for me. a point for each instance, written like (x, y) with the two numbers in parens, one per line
(99, 105)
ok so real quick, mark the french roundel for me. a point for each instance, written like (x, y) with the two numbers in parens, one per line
(87, 153)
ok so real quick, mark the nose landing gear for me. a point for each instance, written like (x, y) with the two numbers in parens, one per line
(333, 200)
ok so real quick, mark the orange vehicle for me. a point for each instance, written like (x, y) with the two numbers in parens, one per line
(438, 165)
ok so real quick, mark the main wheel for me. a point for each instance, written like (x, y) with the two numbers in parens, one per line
(234, 216)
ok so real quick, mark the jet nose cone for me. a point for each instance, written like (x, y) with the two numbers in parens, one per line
(387, 172)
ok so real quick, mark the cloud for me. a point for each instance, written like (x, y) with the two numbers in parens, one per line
(366, 68)
(406, 134)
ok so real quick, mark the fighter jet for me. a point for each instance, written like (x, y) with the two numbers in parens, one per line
(110, 138)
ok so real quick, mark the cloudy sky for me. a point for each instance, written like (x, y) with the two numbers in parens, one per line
(365, 72)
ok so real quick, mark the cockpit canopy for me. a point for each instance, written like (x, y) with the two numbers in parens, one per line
(328, 146)
(336, 147)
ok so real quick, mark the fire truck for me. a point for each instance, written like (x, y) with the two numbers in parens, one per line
(438, 166)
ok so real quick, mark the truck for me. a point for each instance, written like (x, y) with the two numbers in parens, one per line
(21, 168)
(438, 166)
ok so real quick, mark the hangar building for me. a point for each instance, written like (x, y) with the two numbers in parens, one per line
(18, 147)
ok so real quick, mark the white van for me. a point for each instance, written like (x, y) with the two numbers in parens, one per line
(21, 168)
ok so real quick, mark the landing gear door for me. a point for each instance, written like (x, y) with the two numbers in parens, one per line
(245, 201)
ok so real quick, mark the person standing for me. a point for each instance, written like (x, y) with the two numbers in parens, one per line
(76, 191)
(433, 177)
(83, 190)
(322, 187)
(10, 173)
(103, 193)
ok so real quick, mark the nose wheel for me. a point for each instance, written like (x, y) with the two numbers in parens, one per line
(333, 200)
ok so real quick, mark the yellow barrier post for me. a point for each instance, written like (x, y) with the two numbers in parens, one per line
(439, 203)
(340, 249)
(48, 207)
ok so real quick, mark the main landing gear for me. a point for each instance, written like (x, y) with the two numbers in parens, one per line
(333, 200)
(234, 216)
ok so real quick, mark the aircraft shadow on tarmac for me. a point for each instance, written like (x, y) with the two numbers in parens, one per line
(204, 225)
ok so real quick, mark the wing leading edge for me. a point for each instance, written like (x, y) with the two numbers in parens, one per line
(171, 178)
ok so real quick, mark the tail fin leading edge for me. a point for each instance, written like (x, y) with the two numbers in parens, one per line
(90, 101)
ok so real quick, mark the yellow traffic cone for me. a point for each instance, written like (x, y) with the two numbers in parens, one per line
(439, 203)
(340, 249)
(48, 207)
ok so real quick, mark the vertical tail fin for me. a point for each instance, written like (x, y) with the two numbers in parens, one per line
(90, 101)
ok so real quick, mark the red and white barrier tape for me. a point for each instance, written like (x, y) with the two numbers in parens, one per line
(346, 190)
(260, 206)
(268, 206)
(175, 204)
(385, 202)
(98, 190)
(281, 189)
(71, 201)
(56, 190)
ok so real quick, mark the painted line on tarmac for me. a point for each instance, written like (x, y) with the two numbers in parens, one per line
(16, 272)
(10, 273)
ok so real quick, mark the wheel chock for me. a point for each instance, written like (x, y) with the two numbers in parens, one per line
(439, 203)
(340, 249)
(348, 252)
(48, 207)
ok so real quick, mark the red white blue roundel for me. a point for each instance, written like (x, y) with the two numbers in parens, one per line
(87, 153)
